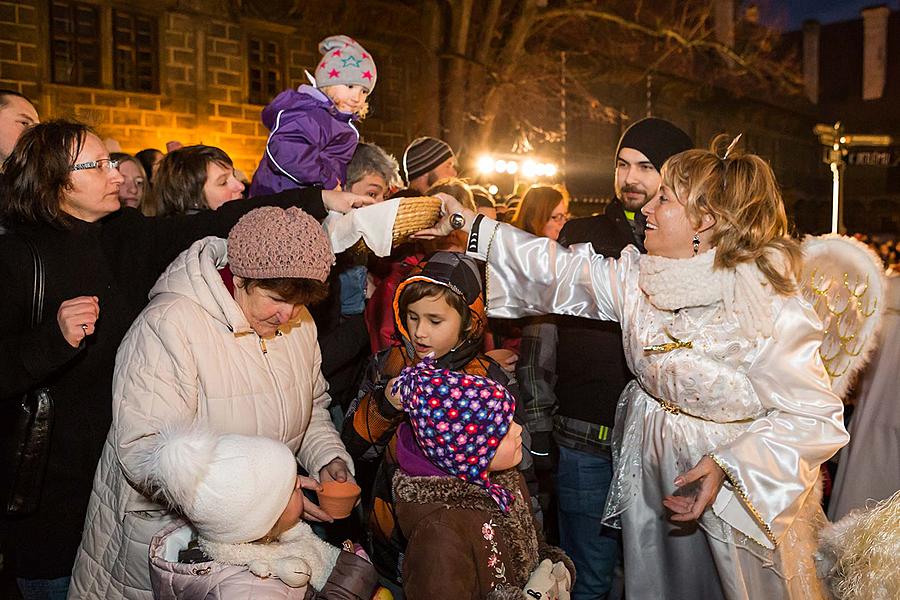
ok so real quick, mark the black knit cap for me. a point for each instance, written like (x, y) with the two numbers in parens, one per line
(657, 139)
(424, 154)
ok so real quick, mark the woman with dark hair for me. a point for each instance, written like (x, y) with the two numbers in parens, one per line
(231, 347)
(195, 178)
(59, 194)
(149, 159)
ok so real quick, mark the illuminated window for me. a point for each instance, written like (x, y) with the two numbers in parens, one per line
(263, 69)
(135, 49)
(75, 43)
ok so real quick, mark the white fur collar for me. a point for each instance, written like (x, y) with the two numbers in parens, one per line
(675, 283)
(298, 557)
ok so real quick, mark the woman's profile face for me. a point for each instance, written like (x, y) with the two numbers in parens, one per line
(93, 190)
(221, 185)
(555, 223)
(669, 232)
(132, 189)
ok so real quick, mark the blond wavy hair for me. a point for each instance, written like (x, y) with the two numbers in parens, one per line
(740, 192)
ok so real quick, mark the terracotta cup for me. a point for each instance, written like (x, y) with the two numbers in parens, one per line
(338, 498)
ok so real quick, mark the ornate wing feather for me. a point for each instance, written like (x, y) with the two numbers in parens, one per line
(844, 281)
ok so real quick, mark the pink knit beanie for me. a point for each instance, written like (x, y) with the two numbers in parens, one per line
(270, 242)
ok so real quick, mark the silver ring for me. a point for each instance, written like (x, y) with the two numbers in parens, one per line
(457, 221)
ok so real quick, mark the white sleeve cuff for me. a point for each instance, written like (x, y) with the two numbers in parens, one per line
(480, 237)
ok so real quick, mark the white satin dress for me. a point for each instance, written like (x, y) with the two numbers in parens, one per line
(762, 408)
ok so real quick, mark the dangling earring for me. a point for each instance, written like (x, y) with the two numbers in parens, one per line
(696, 243)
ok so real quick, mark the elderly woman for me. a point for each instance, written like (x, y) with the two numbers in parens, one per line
(59, 193)
(195, 178)
(720, 437)
(227, 341)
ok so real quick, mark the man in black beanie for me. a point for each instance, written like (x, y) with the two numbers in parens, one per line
(578, 413)
(425, 161)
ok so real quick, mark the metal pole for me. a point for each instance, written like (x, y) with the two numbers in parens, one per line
(835, 196)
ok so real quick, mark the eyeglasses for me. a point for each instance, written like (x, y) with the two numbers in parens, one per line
(559, 218)
(101, 163)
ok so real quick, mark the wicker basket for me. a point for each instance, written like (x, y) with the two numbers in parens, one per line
(413, 215)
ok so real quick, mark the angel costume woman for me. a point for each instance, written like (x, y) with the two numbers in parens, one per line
(720, 436)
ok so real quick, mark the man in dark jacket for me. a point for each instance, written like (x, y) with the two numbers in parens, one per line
(588, 384)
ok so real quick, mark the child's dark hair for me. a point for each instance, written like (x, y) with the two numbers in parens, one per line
(417, 290)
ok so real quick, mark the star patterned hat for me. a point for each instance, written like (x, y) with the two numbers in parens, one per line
(345, 62)
(458, 420)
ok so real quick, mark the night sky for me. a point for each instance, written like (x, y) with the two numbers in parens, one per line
(790, 14)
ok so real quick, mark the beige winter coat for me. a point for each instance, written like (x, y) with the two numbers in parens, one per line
(192, 356)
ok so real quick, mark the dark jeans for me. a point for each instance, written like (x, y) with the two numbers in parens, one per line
(44, 589)
(582, 485)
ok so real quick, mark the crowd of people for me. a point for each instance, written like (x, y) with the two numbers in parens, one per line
(640, 387)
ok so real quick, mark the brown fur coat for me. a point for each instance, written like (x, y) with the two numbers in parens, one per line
(461, 545)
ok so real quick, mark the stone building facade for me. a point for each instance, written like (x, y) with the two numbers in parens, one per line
(200, 71)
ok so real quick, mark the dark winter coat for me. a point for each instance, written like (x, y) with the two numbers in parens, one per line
(588, 384)
(310, 143)
(461, 545)
(117, 259)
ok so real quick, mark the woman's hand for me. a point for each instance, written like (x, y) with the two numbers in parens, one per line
(393, 398)
(77, 318)
(311, 510)
(442, 228)
(709, 477)
(336, 470)
(342, 202)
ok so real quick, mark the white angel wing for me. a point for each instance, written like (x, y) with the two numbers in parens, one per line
(844, 281)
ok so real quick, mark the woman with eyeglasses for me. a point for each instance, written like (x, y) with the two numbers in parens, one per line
(59, 192)
(543, 211)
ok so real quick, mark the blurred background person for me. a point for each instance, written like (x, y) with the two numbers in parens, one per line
(135, 189)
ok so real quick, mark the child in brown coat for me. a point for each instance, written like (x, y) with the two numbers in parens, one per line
(460, 501)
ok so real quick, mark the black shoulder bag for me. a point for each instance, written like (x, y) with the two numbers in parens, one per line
(28, 442)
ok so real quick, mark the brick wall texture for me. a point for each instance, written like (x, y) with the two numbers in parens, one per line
(203, 81)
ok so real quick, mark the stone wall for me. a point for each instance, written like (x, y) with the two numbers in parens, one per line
(203, 88)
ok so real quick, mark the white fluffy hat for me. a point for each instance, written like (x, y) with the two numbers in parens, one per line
(232, 487)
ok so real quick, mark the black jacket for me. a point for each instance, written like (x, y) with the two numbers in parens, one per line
(117, 259)
(589, 383)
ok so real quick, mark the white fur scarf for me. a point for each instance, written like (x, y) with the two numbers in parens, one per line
(298, 558)
(675, 283)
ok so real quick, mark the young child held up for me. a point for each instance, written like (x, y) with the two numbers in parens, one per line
(244, 501)
(438, 311)
(460, 501)
(311, 133)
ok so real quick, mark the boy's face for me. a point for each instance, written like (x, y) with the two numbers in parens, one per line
(348, 98)
(434, 326)
(509, 452)
(371, 185)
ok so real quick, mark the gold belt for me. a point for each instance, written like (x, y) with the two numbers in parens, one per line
(673, 409)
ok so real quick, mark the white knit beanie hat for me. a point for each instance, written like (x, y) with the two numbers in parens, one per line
(233, 488)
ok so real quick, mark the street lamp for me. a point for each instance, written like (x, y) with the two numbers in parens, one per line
(837, 144)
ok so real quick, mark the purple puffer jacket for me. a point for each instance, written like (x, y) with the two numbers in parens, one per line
(353, 578)
(310, 143)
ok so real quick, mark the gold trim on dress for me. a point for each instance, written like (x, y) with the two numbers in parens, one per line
(669, 346)
(742, 493)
